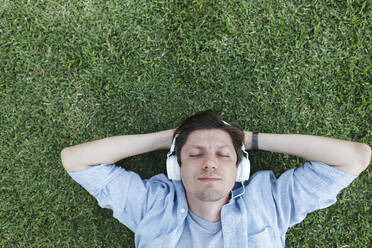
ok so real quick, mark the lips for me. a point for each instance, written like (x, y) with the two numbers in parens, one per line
(209, 179)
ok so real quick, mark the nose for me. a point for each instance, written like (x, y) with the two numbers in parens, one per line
(210, 164)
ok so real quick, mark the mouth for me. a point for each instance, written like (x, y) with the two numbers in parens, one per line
(209, 179)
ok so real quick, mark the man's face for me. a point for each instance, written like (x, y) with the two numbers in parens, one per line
(208, 165)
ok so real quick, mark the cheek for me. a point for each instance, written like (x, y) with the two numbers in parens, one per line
(185, 172)
(188, 167)
(231, 172)
(189, 172)
(186, 178)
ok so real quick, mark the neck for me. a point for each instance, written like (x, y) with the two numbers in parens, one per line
(207, 210)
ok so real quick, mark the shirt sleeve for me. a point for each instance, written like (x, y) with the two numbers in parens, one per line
(302, 190)
(113, 186)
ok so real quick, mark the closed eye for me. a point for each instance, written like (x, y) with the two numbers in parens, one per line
(195, 155)
(225, 156)
(199, 155)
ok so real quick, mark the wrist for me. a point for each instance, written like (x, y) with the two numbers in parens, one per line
(255, 141)
(167, 137)
(251, 140)
(248, 140)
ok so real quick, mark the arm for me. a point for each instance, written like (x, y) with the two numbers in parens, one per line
(112, 149)
(347, 156)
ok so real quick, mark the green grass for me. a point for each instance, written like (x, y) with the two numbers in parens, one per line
(74, 71)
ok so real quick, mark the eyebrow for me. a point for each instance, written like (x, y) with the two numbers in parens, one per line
(202, 147)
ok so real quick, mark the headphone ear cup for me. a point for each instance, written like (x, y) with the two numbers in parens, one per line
(173, 168)
(244, 169)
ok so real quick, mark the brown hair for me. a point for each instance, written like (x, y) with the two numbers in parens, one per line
(208, 120)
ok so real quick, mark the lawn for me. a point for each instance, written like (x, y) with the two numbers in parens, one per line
(74, 71)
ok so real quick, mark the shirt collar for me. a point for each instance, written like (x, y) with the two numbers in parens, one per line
(237, 190)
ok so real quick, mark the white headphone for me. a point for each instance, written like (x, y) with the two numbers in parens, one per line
(173, 168)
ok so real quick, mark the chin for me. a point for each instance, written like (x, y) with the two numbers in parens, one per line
(210, 196)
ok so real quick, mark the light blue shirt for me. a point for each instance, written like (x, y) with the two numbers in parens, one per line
(200, 233)
(258, 214)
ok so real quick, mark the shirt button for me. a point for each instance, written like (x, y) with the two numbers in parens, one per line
(183, 210)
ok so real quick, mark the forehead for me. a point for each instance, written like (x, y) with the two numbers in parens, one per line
(211, 138)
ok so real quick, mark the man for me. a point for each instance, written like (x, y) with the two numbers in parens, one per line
(214, 204)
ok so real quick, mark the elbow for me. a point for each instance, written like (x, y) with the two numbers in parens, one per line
(363, 156)
(65, 157)
(70, 160)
